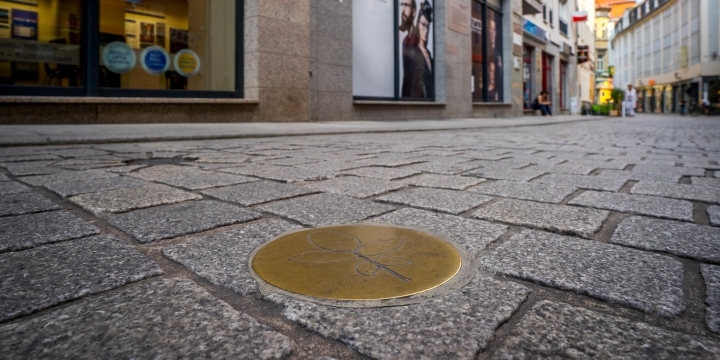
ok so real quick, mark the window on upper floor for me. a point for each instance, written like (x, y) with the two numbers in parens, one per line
(601, 63)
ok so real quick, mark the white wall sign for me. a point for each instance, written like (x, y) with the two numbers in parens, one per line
(118, 57)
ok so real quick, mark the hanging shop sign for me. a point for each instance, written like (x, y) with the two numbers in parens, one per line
(118, 57)
(154, 60)
(186, 63)
(583, 53)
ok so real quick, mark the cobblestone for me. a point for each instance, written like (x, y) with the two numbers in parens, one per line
(648, 282)
(675, 237)
(559, 330)
(25, 203)
(169, 221)
(325, 209)
(641, 176)
(506, 174)
(380, 172)
(705, 181)
(475, 235)
(354, 186)
(714, 215)
(637, 204)
(442, 181)
(449, 201)
(47, 227)
(38, 278)
(11, 187)
(222, 258)
(679, 191)
(455, 326)
(558, 218)
(584, 182)
(258, 192)
(71, 188)
(66, 176)
(711, 275)
(164, 318)
(543, 192)
(189, 177)
(121, 200)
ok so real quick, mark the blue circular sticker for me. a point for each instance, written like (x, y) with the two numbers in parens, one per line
(118, 57)
(154, 60)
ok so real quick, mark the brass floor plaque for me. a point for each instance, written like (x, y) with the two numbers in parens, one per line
(357, 262)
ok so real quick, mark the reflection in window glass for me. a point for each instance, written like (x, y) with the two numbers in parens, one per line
(167, 44)
(40, 43)
(477, 51)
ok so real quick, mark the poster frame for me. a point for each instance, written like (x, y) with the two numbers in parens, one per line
(396, 60)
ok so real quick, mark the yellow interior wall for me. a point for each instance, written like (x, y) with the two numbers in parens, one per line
(53, 20)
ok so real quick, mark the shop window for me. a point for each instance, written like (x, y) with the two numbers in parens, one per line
(136, 48)
(393, 56)
(40, 43)
(563, 84)
(527, 77)
(487, 49)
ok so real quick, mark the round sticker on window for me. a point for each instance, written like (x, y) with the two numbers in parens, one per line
(118, 57)
(155, 60)
(187, 62)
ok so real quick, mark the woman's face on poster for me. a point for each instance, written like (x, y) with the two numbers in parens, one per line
(492, 32)
(424, 27)
(491, 75)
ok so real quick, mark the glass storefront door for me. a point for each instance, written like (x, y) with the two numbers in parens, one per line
(527, 77)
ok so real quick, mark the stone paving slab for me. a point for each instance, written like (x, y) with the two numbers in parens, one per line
(222, 258)
(380, 172)
(257, 192)
(584, 181)
(325, 209)
(354, 186)
(30, 168)
(557, 330)
(169, 318)
(38, 278)
(71, 188)
(711, 275)
(12, 187)
(4, 177)
(682, 170)
(641, 176)
(449, 201)
(637, 204)
(714, 215)
(442, 181)
(680, 238)
(280, 173)
(121, 200)
(705, 181)
(649, 282)
(442, 168)
(473, 234)
(564, 168)
(679, 191)
(25, 203)
(542, 192)
(506, 174)
(169, 221)
(65, 176)
(456, 326)
(25, 231)
(189, 177)
(558, 218)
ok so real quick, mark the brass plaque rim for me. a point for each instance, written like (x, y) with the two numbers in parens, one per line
(461, 275)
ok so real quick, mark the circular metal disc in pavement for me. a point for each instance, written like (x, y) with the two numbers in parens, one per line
(357, 262)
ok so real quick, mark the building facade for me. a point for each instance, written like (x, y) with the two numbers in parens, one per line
(585, 34)
(107, 61)
(549, 55)
(669, 50)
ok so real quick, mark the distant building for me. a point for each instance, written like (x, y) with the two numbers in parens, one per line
(669, 50)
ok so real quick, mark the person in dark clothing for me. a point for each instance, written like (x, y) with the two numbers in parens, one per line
(542, 103)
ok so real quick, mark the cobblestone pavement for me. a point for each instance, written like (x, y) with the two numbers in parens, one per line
(590, 239)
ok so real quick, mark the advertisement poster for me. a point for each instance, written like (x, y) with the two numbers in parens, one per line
(476, 26)
(494, 57)
(160, 34)
(147, 34)
(416, 73)
(24, 24)
(178, 40)
(583, 54)
(4, 24)
(373, 48)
